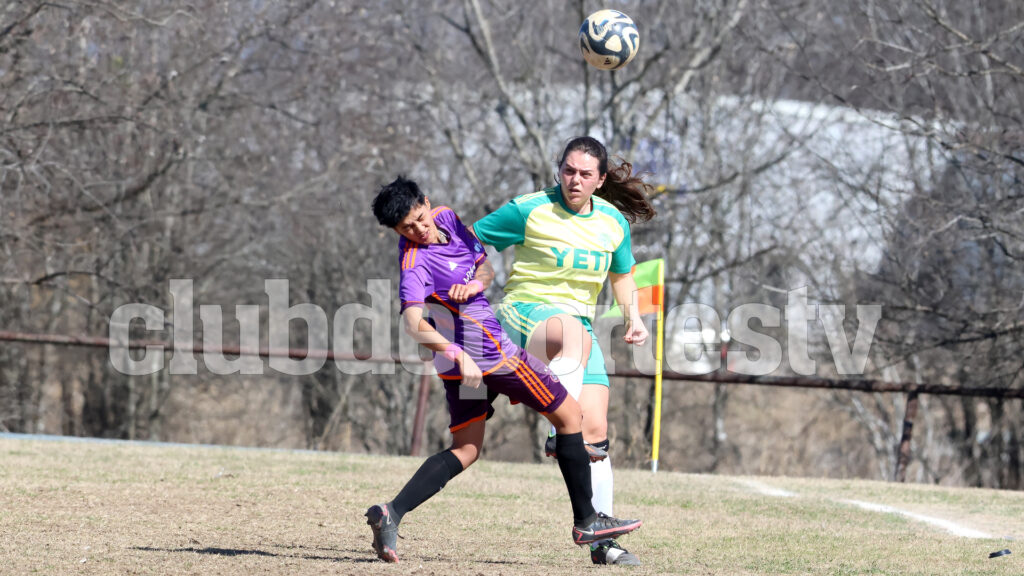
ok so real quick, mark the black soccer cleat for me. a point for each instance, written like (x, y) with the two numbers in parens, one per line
(549, 446)
(385, 532)
(603, 527)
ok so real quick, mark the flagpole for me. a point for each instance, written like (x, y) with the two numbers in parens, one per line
(658, 356)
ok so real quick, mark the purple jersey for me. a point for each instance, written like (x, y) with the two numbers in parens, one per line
(428, 271)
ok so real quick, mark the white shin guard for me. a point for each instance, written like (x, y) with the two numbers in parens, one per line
(601, 480)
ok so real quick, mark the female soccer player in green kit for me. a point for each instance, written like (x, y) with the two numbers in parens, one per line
(567, 240)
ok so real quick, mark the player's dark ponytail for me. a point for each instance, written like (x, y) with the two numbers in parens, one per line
(627, 192)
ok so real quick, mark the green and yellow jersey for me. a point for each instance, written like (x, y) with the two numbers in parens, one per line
(561, 257)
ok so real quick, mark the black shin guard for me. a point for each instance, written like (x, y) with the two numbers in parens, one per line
(574, 463)
(431, 477)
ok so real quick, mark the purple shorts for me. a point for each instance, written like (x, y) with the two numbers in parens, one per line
(512, 372)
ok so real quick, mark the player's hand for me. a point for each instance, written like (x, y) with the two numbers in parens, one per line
(636, 332)
(471, 374)
(461, 292)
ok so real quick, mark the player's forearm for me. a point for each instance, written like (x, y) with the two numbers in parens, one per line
(485, 274)
(624, 288)
(422, 332)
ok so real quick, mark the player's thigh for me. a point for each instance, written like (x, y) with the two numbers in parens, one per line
(594, 404)
(560, 335)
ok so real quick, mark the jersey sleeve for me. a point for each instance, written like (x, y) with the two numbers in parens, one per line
(503, 227)
(467, 237)
(415, 282)
(622, 257)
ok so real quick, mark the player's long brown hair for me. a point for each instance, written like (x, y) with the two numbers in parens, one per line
(623, 189)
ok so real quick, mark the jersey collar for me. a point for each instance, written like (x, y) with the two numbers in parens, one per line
(561, 202)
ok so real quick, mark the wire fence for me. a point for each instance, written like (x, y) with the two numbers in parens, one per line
(912, 390)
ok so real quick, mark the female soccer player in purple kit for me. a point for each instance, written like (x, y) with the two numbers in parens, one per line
(444, 271)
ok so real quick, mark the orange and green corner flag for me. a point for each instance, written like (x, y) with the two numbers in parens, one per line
(650, 289)
(650, 283)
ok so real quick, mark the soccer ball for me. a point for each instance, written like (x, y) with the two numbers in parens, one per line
(609, 39)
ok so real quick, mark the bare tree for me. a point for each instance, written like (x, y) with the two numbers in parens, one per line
(865, 151)
(944, 81)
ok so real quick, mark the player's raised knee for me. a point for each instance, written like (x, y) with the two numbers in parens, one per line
(567, 418)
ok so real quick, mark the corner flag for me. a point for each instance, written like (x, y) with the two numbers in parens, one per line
(650, 283)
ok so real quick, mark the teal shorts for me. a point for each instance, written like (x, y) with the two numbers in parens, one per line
(520, 319)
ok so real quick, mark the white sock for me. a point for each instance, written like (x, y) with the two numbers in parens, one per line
(601, 480)
(570, 374)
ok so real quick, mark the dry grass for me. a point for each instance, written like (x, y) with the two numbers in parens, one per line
(132, 508)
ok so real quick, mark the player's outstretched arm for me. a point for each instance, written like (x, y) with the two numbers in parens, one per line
(624, 289)
(422, 332)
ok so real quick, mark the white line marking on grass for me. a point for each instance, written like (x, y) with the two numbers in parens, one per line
(766, 489)
(947, 525)
(951, 527)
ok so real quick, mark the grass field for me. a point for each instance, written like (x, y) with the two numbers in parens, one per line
(135, 508)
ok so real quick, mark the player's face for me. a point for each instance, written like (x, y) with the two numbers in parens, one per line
(580, 177)
(418, 225)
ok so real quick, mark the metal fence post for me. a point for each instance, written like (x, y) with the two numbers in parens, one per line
(421, 413)
(903, 458)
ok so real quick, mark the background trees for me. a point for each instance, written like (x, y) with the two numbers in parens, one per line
(869, 151)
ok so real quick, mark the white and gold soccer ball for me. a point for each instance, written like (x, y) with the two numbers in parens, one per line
(609, 39)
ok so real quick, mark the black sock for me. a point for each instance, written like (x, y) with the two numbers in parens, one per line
(433, 474)
(575, 466)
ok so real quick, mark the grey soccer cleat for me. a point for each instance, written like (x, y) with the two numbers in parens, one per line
(385, 532)
(609, 552)
(596, 454)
